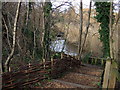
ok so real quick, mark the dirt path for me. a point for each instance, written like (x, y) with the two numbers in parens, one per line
(84, 77)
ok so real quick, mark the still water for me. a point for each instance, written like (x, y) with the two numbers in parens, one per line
(69, 49)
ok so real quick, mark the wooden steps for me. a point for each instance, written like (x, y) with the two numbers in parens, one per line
(88, 69)
(72, 84)
(84, 77)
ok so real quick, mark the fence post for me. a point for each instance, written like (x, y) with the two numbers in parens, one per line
(102, 62)
(62, 55)
(51, 62)
(44, 63)
(112, 80)
(106, 74)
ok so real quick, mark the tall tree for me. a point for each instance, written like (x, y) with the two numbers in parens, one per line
(47, 25)
(111, 30)
(103, 12)
(87, 27)
(80, 30)
(7, 63)
(0, 45)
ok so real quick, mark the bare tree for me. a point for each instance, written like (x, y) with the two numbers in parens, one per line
(7, 63)
(47, 26)
(81, 29)
(1, 47)
(87, 28)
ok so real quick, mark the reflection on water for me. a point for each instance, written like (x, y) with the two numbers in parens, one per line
(57, 46)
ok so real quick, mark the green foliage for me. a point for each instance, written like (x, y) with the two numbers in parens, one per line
(47, 8)
(38, 54)
(28, 33)
(86, 58)
(103, 12)
(99, 84)
(118, 76)
(116, 70)
(26, 59)
(56, 55)
(4, 52)
(47, 24)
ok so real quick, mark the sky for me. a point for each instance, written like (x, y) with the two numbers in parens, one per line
(56, 3)
(75, 3)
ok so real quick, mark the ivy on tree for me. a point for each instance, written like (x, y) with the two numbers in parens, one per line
(102, 16)
(47, 25)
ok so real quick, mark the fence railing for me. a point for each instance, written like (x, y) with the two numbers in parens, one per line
(26, 75)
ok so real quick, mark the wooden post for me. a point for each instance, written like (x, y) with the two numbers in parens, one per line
(92, 61)
(112, 80)
(44, 63)
(51, 62)
(62, 55)
(102, 62)
(106, 74)
(95, 61)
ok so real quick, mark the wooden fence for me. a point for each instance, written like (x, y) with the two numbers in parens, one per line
(26, 75)
(32, 73)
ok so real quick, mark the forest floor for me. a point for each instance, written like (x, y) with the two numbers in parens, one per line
(85, 76)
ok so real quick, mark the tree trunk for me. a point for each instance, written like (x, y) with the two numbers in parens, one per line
(27, 14)
(34, 44)
(111, 31)
(43, 33)
(87, 27)
(80, 30)
(47, 25)
(7, 63)
(34, 31)
(1, 67)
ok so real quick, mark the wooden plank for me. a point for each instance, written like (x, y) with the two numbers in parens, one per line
(106, 74)
(102, 62)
